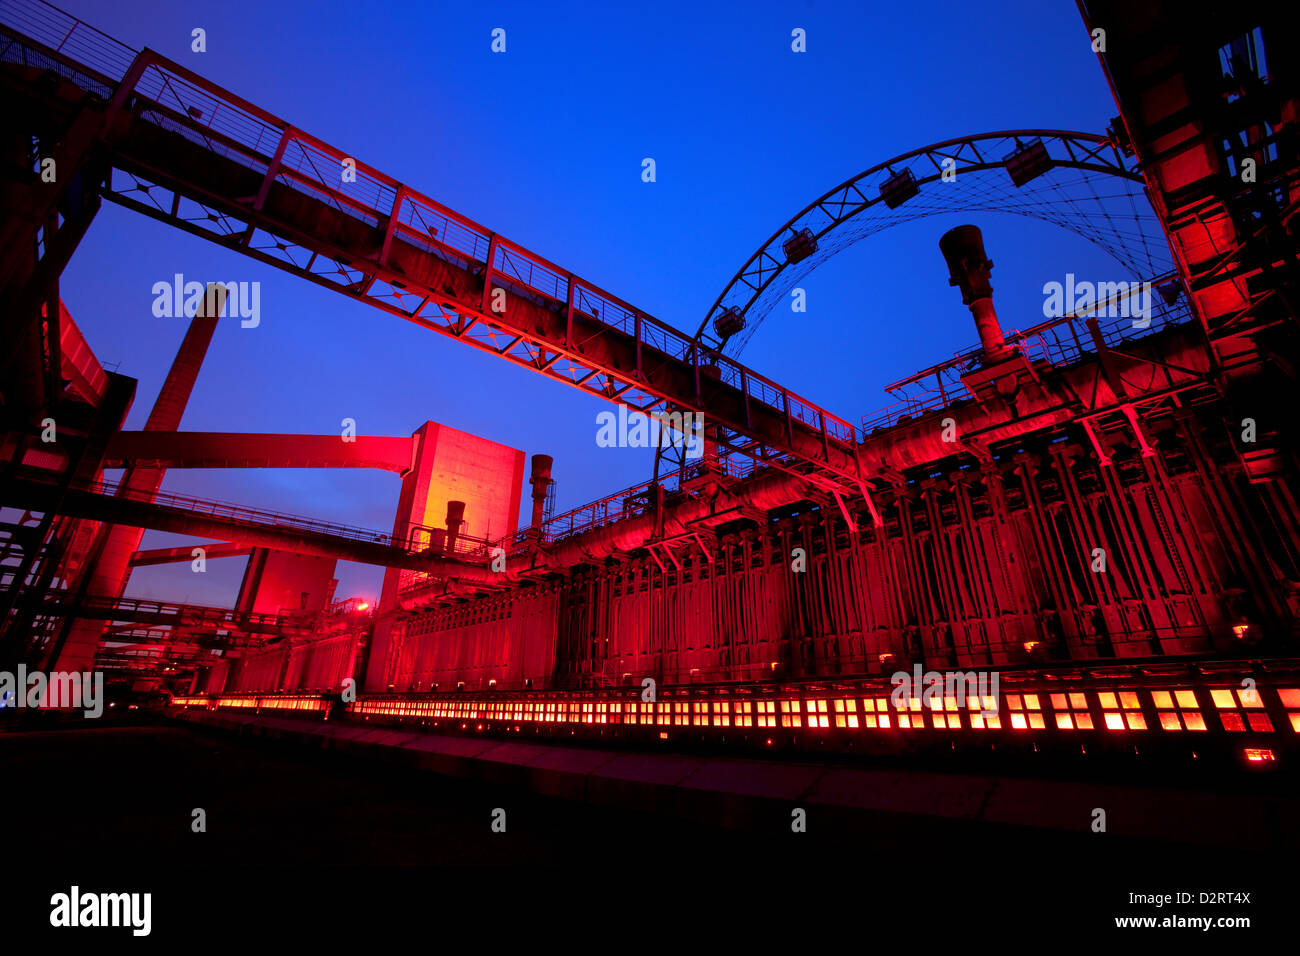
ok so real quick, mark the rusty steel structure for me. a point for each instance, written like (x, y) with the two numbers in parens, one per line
(1081, 492)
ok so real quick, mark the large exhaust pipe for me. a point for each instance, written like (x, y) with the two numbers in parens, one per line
(455, 518)
(540, 479)
(969, 268)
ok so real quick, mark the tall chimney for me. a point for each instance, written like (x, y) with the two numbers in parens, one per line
(540, 479)
(455, 518)
(963, 248)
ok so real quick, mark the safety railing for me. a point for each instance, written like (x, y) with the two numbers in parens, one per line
(1059, 342)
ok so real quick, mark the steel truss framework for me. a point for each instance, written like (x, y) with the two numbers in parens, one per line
(554, 323)
(1102, 201)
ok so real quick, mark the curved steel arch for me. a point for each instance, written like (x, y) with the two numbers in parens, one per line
(751, 288)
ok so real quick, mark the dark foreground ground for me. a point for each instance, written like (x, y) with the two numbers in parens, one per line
(303, 843)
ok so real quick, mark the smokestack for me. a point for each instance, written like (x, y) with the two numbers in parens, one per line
(455, 518)
(541, 482)
(963, 248)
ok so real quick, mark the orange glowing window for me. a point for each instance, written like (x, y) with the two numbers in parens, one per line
(882, 708)
(790, 714)
(1249, 697)
(680, 715)
(744, 714)
(1185, 700)
(1020, 721)
(1128, 699)
(1114, 721)
(1136, 721)
(869, 718)
(1254, 718)
(846, 713)
(1260, 723)
(953, 721)
(1072, 712)
(1222, 697)
(721, 713)
(1290, 697)
(817, 713)
(766, 713)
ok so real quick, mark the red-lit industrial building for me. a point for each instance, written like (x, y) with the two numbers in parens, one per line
(1104, 512)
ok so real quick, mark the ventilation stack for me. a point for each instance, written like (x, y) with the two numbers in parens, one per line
(970, 269)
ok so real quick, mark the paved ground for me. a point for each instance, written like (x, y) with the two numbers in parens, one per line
(115, 804)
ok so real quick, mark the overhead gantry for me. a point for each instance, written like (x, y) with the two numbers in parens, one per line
(157, 138)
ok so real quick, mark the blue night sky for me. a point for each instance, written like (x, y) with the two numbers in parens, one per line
(544, 144)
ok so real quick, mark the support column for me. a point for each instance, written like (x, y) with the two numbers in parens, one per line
(109, 574)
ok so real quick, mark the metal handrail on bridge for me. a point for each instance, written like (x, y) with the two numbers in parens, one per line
(416, 540)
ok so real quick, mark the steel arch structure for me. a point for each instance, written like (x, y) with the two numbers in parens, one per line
(1061, 176)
